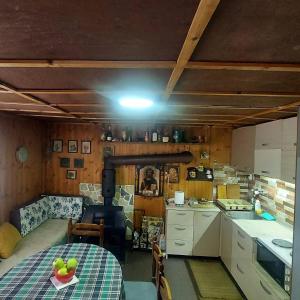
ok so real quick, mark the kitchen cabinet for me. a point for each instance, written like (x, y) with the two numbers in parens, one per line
(226, 240)
(268, 162)
(269, 135)
(289, 133)
(206, 233)
(288, 165)
(192, 231)
(242, 150)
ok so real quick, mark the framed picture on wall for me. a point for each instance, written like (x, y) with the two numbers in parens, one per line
(86, 147)
(72, 146)
(71, 174)
(78, 163)
(57, 145)
(173, 174)
(149, 180)
(64, 162)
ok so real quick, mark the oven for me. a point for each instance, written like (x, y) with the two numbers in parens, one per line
(275, 267)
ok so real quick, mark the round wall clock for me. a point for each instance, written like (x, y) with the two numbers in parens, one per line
(22, 154)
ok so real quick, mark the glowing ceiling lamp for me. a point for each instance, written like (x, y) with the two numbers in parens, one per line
(135, 102)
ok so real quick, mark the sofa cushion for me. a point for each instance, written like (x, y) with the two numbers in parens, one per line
(33, 215)
(51, 233)
(9, 238)
(64, 207)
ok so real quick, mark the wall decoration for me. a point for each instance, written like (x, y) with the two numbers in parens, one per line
(64, 162)
(78, 163)
(71, 174)
(173, 174)
(22, 154)
(86, 147)
(57, 145)
(72, 146)
(108, 151)
(200, 173)
(149, 181)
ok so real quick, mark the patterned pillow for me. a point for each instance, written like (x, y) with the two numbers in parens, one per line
(65, 207)
(33, 215)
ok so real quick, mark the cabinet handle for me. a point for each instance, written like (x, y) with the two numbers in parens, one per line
(239, 233)
(295, 144)
(239, 269)
(240, 246)
(265, 172)
(264, 144)
(205, 215)
(294, 177)
(179, 243)
(180, 228)
(265, 289)
(181, 214)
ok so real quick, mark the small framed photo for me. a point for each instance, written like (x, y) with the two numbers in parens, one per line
(72, 146)
(57, 145)
(71, 174)
(78, 163)
(86, 147)
(64, 162)
(173, 174)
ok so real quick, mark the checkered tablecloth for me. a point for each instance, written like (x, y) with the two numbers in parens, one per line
(99, 273)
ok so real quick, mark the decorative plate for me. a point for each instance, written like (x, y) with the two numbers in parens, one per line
(22, 154)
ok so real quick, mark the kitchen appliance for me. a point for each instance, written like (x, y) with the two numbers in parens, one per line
(276, 262)
(179, 198)
(234, 204)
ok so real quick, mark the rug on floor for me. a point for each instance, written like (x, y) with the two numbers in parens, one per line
(212, 281)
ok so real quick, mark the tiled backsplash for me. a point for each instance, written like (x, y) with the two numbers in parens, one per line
(278, 197)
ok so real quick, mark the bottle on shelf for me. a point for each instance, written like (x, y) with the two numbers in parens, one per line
(109, 136)
(146, 138)
(165, 137)
(154, 138)
(129, 134)
(124, 135)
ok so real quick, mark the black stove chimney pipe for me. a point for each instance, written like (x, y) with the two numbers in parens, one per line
(109, 172)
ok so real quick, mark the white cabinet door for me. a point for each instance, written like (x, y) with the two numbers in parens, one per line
(226, 240)
(288, 165)
(269, 135)
(206, 234)
(242, 149)
(289, 133)
(268, 162)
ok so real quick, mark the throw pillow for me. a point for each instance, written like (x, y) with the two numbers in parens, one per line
(9, 237)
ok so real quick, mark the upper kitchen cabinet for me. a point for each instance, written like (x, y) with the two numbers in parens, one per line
(243, 146)
(269, 135)
(289, 133)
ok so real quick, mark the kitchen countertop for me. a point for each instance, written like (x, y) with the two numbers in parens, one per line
(187, 207)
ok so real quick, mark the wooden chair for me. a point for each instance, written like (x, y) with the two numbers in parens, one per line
(157, 262)
(86, 230)
(164, 289)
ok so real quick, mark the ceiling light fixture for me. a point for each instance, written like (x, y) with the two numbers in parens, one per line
(135, 102)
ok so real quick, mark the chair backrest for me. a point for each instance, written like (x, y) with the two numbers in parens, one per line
(86, 229)
(157, 263)
(164, 289)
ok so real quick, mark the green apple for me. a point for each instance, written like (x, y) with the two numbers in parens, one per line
(72, 263)
(62, 272)
(58, 263)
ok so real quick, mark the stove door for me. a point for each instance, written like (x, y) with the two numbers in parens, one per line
(271, 263)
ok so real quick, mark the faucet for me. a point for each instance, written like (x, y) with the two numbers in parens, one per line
(256, 193)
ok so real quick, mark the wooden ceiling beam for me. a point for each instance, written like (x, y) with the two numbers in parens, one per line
(242, 66)
(269, 111)
(201, 18)
(31, 98)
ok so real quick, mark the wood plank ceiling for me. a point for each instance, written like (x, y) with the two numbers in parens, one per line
(214, 62)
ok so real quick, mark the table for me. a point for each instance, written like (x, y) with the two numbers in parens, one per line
(99, 273)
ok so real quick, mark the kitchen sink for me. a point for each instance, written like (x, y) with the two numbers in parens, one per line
(243, 215)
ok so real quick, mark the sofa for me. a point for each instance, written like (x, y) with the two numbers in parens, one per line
(42, 223)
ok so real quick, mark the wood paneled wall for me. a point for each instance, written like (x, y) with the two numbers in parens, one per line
(19, 183)
(55, 177)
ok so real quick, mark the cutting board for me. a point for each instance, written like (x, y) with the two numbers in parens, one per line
(233, 191)
(221, 191)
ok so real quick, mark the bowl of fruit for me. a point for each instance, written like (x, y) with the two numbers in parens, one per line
(64, 271)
